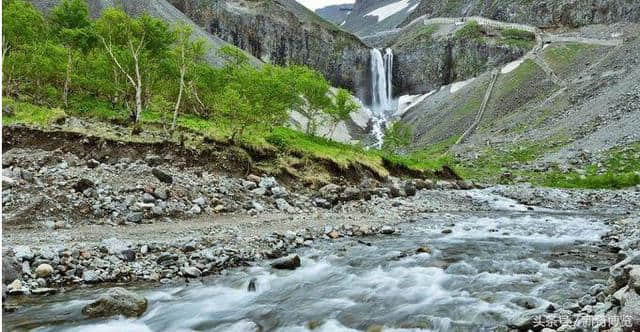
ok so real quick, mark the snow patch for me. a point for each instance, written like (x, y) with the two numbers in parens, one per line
(406, 102)
(511, 66)
(384, 12)
(459, 85)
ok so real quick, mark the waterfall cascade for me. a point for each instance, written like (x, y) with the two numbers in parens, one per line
(381, 91)
(381, 87)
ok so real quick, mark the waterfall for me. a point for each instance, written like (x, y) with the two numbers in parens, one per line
(381, 89)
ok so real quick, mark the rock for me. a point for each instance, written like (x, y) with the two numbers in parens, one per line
(447, 231)
(465, 185)
(22, 253)
(630, 309)
(252, 285)
(91, 276)
(44, 290)
(283, 205)
(148, 198)
(192, 272)
(167, 259)
(200, 201)
(395, 190)
(116, 301)
(290, 262)
(259, 191)
(162, 176)
(44, 270)
(153, 160)
(7, 110)
(92, 163)
(267, 182)
(409, 188)
(249, 185)
(82, 185)
(17, 288)
(11, 270)
(195, 209)
(423, 184)
(350, 194)
(597, 288)
(424, 250)
(587, 300)
(135, 217)
(253, 178)
(334, 234)
(161, 193)
(115, 246)
(330, 189)
(279, 192)
(128, 255)
(387, 230)
(634, 278)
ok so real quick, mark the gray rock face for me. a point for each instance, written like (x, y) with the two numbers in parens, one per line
(284, 32)
(10, 269)
(117, 301)
(540, 13)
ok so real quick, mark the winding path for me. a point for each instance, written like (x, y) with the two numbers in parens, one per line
(483, 107)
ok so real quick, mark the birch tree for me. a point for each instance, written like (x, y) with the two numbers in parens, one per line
(135, 45)
(186, 54)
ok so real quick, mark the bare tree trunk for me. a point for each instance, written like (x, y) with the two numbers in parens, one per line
(175, 110)
(67, 80)
(138, 87)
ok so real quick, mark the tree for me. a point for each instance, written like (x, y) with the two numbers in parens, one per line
(22, 24)
(135, 45)
(186, 53)
(72, 26)
(313, 93)
(397, 136)
(341, 108)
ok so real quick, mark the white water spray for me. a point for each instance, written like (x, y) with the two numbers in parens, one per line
(381, 91)
(381, 75)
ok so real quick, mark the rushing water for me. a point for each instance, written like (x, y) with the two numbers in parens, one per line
(381, 92)
(475, 279)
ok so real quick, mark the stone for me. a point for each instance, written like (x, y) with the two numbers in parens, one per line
(334, 234)
(11, 269)
(22, 253)
(135, 217)
(44, 290)
(350, 194)
(116, 301)
(387, 230)
(424, 250)
(282, 204)
(252, 285)
(162, 176)
(634, 278)
(465, 184)
(447, 231)
(192, 272)
(91, 276)
(161, 193)
(82, 185)
(330, 189)
(148, 198)
(290, 262)
(7, 110)
(195, 209)
(92, 163)
(115, 246)
(44, 270)
(17, 288)
(200, 201)
(279, 192)
(253, 178)
(587, 300)
(409, 188)
(267, 182)
(259, 191)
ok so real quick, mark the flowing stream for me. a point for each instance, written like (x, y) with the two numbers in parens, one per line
(485, 272)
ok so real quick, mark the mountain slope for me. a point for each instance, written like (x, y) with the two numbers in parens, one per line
(372, 16)
(540, 13)
(336, 14)
(157, 8)
(283, 32)
(567, 106)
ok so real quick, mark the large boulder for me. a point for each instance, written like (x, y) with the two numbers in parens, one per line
(290, 262)
(11, 269)
(116, 301)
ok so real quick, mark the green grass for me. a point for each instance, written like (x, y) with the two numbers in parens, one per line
(560, 56)
(492, 163)
(620, 169)
(29, 114)
(424, 33)
(470, 31)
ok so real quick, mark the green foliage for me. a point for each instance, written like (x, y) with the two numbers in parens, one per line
(517, 38)
(396, 137)
(71, 24)
(22, 24)
(233, 55)
(470, 31)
